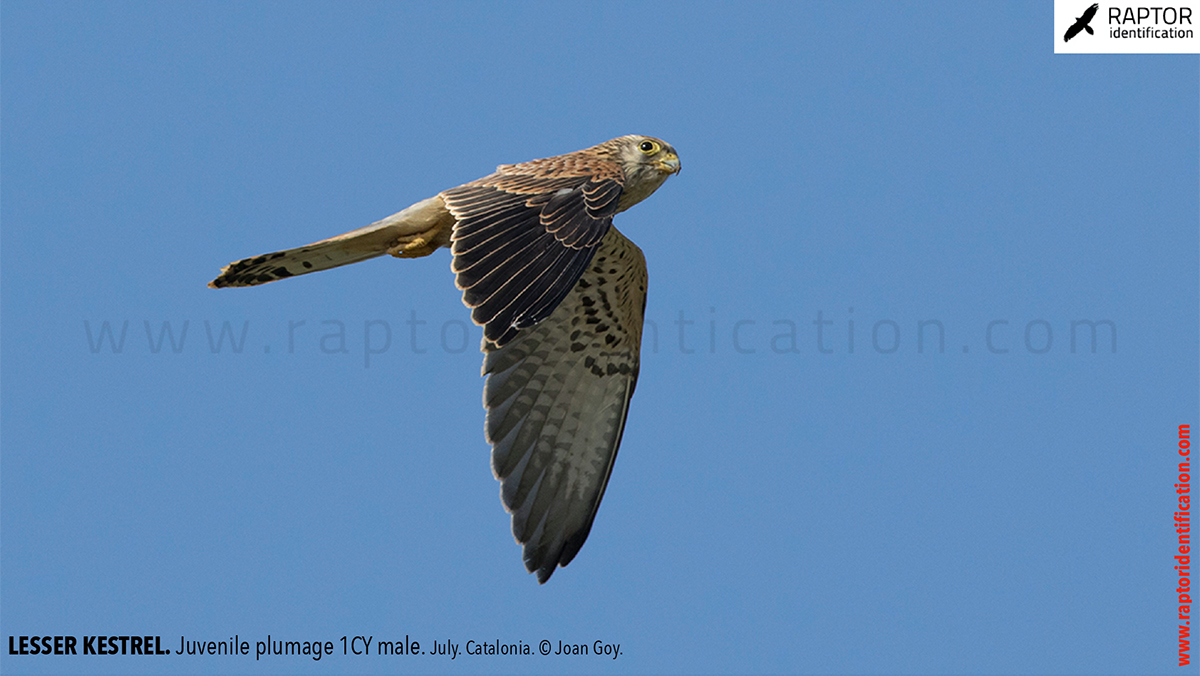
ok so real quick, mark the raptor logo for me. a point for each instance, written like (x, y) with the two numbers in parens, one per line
(1081, 23)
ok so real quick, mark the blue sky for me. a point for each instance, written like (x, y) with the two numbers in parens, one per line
(965, 506)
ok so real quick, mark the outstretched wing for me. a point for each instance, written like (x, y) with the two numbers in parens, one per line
(524, 235)
(1073, 31)
(557, 395)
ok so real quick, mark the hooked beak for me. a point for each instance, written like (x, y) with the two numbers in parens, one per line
(670, 164)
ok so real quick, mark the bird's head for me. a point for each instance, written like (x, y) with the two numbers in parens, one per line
(647, 162)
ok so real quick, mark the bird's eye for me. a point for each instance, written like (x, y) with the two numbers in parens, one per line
(648, 147)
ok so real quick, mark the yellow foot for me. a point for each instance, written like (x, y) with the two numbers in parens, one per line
(422, 244)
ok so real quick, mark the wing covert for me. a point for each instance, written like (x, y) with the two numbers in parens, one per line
(557, 395)
(522, 238)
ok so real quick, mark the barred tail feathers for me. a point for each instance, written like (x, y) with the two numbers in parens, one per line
(415, 231)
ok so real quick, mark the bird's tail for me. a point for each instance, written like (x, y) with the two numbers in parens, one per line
(1089, 30)
(416, 231)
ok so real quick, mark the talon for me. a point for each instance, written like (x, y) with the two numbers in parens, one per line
(414, 248)
(423, 243)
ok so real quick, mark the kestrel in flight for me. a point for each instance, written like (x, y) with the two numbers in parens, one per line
(560, 294)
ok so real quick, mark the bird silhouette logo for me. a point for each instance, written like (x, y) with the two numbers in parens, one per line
(1081, 23)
